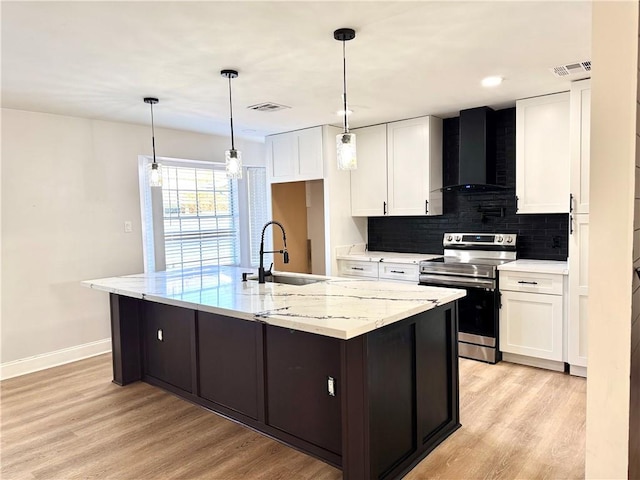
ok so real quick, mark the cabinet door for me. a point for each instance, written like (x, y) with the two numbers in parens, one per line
(580, 144)
(369, 180)
(228, 362)
(543, 154)
(531, 324)
(169, 335)
(409, 173)
(357, 268)
(578, 290)
(282, 151)
(309, 154)
(298, 368)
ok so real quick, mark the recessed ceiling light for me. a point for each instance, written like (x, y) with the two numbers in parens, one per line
(491, 81)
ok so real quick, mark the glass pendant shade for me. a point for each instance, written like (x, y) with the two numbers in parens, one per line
(346, 149)
(233, 163)
(154, 174)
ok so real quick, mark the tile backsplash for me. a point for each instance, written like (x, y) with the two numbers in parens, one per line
(541, 236)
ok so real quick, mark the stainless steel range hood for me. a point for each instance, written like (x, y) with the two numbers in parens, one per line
(477, 157)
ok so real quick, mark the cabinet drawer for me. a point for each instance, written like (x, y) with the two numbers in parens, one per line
(398, 271)
(356, 268)
(548, 283)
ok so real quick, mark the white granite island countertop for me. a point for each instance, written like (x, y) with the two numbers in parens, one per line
(335, 307)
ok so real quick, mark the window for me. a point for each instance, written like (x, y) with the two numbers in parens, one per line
(200, 217)
(196, 219)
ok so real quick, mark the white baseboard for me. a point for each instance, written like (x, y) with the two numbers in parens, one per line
(578, 371)
(533, 362)
(53, 359)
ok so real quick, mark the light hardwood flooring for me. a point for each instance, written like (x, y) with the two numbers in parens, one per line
(71, 422)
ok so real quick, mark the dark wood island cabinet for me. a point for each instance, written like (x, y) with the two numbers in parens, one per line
(373, 405)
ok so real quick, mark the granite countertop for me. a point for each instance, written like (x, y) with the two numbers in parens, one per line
(536, 266)
(335, 307)
(358, 252)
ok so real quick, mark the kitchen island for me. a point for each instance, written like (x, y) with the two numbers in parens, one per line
(362, 374)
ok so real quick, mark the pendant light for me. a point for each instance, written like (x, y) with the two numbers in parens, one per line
(233, 157)
(345, 141)
(153, 169)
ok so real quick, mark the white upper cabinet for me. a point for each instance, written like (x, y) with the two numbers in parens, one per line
(295, 156)
(369, 180)
(414, 166)
(580, 145)
(543, 154)
(399, 169)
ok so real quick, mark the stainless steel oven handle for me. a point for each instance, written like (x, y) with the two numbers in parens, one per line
(448, 280)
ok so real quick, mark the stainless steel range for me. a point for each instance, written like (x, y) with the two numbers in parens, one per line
(471, 261)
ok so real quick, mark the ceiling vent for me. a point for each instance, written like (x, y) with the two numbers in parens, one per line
(572, 69)
(267, 107)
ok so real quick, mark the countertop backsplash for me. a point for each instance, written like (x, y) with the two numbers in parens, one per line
(540, 236)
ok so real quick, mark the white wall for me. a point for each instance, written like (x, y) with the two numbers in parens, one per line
(68, 185)
(340, 227)
(613, 144)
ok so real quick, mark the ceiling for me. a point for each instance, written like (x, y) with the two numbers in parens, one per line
(99, 59)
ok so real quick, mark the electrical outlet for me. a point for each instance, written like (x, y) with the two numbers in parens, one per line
(128, 226)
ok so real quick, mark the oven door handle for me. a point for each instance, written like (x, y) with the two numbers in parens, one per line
(447, 280)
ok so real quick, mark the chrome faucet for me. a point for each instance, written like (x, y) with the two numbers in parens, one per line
(261, 272)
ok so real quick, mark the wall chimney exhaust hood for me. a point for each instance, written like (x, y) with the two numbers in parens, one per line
(477, 158)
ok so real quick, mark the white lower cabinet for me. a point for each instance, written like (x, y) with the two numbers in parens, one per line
(532, 318)
(531, 324)
(377, 270)
(400, 272)
(578, 294)
(358, 268)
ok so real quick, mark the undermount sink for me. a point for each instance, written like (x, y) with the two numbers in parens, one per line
(289, 279)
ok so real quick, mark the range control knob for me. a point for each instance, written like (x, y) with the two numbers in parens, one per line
(509, 239)
(449, 238)
(499, 238)
(458, 238)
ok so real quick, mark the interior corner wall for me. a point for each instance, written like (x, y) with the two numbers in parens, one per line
(68, 186)
(340, 227)
(613, 152)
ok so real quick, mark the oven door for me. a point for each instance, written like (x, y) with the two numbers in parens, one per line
(477, 315)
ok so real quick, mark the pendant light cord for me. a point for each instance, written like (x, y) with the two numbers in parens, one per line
(344, 86)
(153, 134)
(231, 114)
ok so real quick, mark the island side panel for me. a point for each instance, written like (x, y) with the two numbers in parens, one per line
(437, 371)
(126, 325)
(402, 394)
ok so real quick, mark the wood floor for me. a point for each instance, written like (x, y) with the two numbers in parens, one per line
(71, 422)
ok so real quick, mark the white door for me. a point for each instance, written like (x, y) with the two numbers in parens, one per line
(580, 145)
(408, 167)
(543, 154)
(310, 154)
(531, 324)
(369, 180)
(282, 151)
(578, 290)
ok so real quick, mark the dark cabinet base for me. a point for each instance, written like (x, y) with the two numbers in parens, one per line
(394, 396)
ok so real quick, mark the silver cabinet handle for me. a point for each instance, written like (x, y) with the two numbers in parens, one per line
(397, 271)
(331, 386)
(357, 268)
(528, 283)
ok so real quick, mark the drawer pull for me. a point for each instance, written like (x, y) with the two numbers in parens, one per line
(397, 271)
(357, 268)
(527, 283)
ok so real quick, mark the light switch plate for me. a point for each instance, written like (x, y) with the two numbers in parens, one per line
(128, 226)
